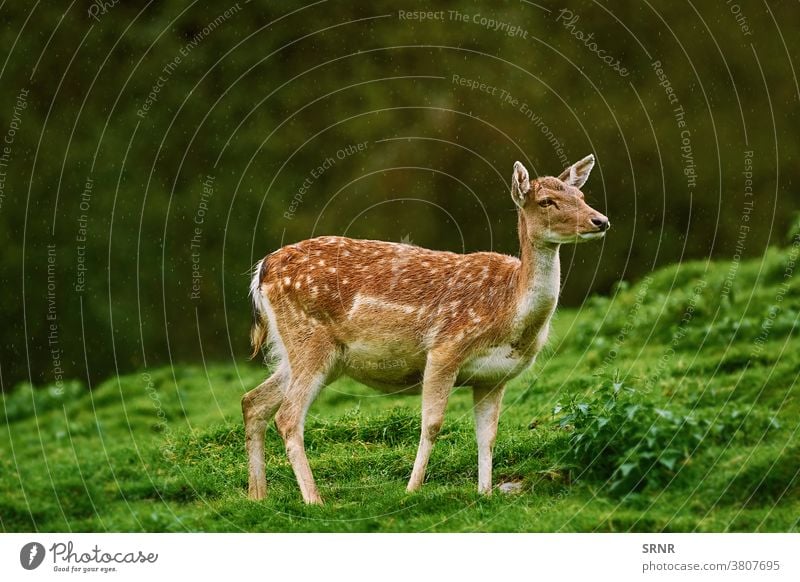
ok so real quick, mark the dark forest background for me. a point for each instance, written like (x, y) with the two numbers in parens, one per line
(178, 193)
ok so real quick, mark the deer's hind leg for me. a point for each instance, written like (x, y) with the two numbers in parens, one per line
(312, 360)
(258, 407)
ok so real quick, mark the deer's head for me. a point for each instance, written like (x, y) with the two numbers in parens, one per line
(554, 209)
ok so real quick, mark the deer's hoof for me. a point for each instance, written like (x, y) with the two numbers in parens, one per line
(257, 492)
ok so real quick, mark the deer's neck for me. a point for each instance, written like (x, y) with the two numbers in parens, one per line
(539, 279)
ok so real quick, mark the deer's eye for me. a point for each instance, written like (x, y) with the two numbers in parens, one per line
(545, 202)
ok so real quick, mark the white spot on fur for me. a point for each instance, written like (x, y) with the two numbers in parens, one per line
(367, 303)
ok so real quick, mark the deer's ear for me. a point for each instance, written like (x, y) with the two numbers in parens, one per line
(520, 184)
(577, 174)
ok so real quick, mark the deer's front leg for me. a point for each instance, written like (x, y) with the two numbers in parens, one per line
(487, 401)
(440, 374)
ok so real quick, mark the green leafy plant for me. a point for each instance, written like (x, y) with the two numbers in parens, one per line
(619, 436)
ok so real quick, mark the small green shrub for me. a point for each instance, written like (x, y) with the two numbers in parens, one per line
(619, 436)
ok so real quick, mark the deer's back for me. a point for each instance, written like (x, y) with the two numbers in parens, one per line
(363, 288)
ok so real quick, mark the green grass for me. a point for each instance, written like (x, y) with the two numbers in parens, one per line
(700, 436)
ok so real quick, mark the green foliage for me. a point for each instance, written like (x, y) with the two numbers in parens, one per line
(625, 440)
(633, 442)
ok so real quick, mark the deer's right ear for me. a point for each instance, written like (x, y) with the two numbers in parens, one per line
(520, 184)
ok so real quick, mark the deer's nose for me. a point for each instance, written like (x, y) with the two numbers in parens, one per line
(601, 222)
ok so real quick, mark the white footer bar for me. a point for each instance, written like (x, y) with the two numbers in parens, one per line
(402, 557)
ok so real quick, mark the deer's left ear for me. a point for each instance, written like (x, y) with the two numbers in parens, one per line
(520, 184)
(577, 174)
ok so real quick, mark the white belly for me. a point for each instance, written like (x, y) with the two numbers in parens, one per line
(492, 365)
(388, 366)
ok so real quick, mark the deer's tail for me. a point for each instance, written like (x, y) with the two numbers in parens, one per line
(259, 333)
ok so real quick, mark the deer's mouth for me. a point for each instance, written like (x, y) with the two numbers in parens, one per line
(591, 235)
(575, 237)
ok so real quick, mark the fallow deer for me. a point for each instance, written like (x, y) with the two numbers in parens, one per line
(333, 306)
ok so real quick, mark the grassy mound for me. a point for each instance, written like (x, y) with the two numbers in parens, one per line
(667, 406)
